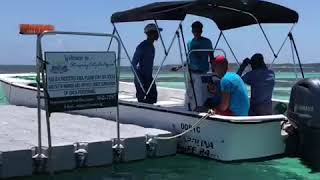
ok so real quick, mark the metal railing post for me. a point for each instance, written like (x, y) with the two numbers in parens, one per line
(42, 69)
(38, 64)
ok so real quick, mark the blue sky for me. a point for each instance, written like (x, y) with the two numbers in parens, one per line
(94, 16)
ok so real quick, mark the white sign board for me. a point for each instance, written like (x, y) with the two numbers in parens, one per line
(81, 80)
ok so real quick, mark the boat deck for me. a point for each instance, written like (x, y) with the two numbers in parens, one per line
(167, 97)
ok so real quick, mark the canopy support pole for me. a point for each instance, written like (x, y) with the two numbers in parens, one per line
(267, 39)
(297, 53)
(216, 45)
(282, 45)
(181, 57)
(129, 58)
(260, 26)
(294, 61)
(275, 58)
(162, 62)
(188, 71)
(184, 41)
(217, 42)
(113, 32)
(232, 52)
(161, 39)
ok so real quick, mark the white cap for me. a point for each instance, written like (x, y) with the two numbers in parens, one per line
(151, 27)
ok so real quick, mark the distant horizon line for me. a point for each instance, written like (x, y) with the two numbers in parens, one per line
(163, 65)
(170, 64)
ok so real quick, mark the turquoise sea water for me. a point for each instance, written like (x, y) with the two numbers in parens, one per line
(284, 81)
(192, 168)
(189, 167)
(3, 99)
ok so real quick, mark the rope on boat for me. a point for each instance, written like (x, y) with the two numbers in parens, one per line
(209, 113)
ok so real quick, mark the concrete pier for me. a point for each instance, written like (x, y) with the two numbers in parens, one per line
(70, 134)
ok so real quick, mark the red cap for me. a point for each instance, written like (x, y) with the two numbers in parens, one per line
(219, 59)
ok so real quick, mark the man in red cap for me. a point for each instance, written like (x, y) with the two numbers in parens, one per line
(234, 95)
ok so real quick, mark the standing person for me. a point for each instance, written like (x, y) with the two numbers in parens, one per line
(199, 65)
(262, 81)
(234, 95)
(199, 61)
(142, 63)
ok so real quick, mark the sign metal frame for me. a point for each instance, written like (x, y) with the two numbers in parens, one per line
(41, 65)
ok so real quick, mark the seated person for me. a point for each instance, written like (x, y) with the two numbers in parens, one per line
(234, 95)
(262, 81)
(214, 89)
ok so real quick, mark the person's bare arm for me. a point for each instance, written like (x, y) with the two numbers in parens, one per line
(225, 101)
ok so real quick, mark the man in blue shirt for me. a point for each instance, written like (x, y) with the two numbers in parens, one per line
(198, 66)
(142, 63)
(199, 61)
(262, 81)
(234, 95)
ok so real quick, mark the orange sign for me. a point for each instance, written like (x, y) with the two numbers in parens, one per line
(35, 28)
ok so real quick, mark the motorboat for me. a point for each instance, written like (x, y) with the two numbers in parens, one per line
(224, 138)
(218, 137)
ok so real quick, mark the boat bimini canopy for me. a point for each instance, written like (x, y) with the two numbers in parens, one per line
(226, 14)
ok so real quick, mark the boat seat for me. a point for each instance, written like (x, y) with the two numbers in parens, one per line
(168, 103)
(130, 99)
(123, 96)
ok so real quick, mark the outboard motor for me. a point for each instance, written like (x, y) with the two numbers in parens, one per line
(304, 114)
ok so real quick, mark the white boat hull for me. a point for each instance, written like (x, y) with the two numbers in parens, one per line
(218, 137)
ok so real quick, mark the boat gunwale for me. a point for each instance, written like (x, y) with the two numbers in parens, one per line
(219, 118)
